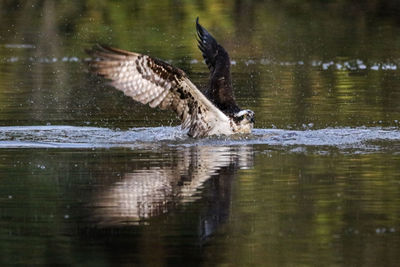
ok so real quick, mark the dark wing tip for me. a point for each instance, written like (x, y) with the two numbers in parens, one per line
(91, 51)
(199, 28)
(207, 45)
(197, 23)
(97, 51)
(106, 51)
(201, 32)
(97, 47)
(100, 55)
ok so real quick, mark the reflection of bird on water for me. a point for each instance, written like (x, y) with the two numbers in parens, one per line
(159, 84)
(152, 191)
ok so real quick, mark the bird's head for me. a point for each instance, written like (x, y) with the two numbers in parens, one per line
(245, 119)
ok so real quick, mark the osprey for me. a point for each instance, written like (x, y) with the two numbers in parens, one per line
(159, 84)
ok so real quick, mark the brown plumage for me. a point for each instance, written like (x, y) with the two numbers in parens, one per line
(159, 84)
(220, 90)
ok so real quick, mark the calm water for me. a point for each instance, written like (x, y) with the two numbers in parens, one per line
(87, 177)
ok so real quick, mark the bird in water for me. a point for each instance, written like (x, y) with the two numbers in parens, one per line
(152, 81)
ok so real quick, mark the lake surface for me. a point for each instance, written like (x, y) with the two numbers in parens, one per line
(88, 177)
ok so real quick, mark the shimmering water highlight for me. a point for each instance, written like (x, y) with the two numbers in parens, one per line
(92, 137)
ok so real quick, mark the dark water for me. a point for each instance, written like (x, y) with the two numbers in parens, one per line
(87, 177)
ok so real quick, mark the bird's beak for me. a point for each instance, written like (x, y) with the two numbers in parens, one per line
(252, 120)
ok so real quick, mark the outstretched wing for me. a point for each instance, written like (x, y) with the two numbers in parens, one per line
(154, 82)
(218, 62)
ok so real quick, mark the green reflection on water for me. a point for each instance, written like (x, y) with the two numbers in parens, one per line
(307, 209)
(287, 209)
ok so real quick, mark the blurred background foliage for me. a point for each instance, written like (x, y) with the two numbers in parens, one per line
(252, 28)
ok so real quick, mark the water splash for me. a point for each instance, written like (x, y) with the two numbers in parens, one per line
(92, 137)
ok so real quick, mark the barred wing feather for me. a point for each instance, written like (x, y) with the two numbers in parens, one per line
(157, 83)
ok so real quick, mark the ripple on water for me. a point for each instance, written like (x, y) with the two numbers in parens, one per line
(93, 137)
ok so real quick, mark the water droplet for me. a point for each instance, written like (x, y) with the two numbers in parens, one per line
(375, 67)
(41, 166)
